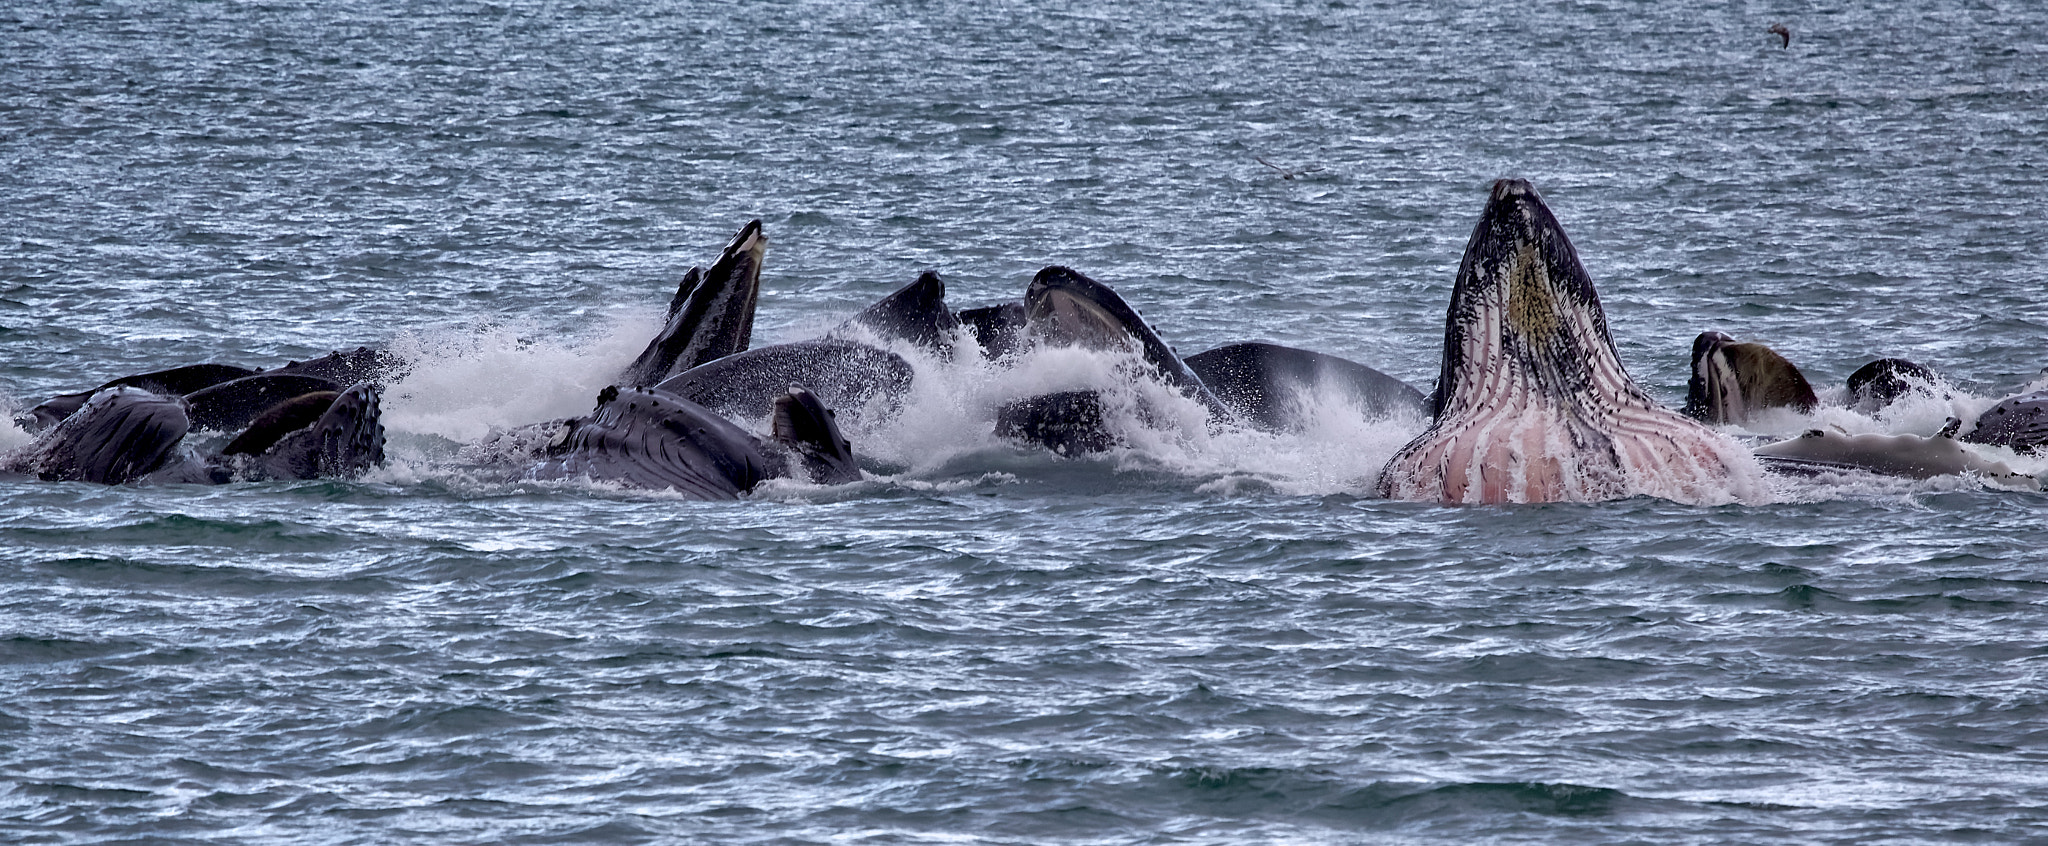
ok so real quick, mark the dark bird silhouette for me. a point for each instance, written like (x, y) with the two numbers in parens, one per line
(1780, 31)
(1289, 174)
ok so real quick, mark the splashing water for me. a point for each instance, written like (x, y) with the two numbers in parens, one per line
(465, 384)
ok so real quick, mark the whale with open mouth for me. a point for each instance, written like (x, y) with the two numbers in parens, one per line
(711, 315)
(1532, 403)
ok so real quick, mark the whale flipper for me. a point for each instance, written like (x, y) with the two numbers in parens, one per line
(1532, 403)
(803, 425)
(712, 314)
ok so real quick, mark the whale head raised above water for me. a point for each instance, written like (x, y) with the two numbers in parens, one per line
(711, 315)
(1532, 403)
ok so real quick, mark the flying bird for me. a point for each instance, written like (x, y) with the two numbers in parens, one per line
(1780, 31)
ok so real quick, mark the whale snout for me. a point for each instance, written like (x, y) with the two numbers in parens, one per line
(1512, 187)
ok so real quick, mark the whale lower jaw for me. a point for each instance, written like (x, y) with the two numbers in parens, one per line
(1533, 447)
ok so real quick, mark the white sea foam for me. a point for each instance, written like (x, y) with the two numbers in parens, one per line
(466, 383)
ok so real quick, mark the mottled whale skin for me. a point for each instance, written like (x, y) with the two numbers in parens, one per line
(2019, 422)
(856, 379)
(1532, 403)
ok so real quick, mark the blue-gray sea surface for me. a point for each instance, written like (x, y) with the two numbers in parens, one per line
(1197, 638)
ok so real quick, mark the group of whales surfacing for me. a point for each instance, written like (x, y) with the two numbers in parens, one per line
(304, 420)
(1531, 403)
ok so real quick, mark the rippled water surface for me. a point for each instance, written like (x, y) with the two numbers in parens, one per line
(1199, 638)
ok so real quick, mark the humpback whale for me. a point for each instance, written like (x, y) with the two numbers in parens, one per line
(320, 435)
(1069, 423)
(2020, 422)
(651, 439)
(1875, 386)
(1266, 383)
(997, 329)
(227, 397)
(116, 435)
(711, 315)
(130, 434)
(915, 313)
(378, 367)
(1733, 381)
(853, 378)
(1532, 403)
(235, 404)
(175, 381)
(1062, 307)
(1910, 456)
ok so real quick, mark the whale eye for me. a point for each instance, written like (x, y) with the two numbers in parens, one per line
(1814, 433)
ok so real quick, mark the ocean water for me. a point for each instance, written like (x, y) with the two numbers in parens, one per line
(1197, 638)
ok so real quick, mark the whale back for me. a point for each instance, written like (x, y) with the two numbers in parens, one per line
(1265, 383)
(1910, 456)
